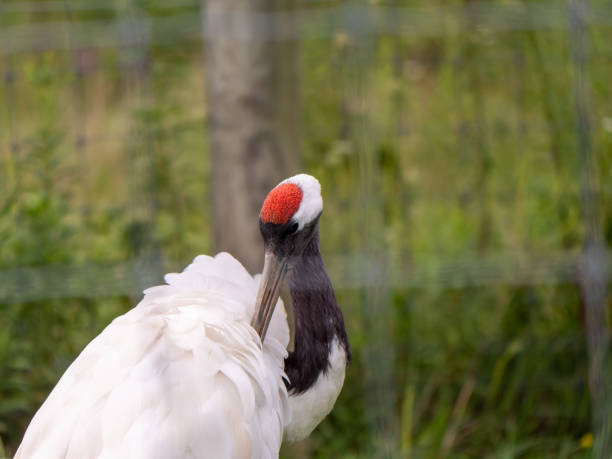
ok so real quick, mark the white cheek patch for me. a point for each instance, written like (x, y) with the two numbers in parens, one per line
(312, 203)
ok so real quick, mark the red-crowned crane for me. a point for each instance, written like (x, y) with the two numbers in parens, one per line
(185, 373)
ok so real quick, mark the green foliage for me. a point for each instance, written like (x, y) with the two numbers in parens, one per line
(432, 147)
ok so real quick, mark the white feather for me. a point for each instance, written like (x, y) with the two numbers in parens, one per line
(311, 205)
(183, 374)
(309, 408)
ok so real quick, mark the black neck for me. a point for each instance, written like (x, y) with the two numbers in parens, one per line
(318, 319)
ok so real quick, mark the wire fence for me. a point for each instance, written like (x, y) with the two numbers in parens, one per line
(131, 277)
(36, 27)
(179, 27)
(180, 23)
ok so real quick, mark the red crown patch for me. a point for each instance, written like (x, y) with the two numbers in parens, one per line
(281, 203)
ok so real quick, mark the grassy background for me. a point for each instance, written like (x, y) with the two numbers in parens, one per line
(454, 143)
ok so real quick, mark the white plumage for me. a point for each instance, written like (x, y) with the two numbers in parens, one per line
(183, 374)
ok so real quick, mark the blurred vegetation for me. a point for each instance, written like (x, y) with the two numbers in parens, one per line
(466, 137)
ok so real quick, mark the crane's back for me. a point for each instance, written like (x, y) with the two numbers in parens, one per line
(181, 375)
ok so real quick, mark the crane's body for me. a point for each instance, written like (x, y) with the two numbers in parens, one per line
(185, 373)
(164, 380)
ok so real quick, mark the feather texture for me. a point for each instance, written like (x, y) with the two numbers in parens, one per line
(182, 374)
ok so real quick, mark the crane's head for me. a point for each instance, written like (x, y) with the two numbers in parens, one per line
(288, 220)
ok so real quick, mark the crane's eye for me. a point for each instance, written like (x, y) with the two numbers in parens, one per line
(292, 228)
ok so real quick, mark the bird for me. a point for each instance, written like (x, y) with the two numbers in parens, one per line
(214, 363)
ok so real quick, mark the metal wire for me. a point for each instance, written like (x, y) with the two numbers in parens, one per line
(595, 274)
(320, 22)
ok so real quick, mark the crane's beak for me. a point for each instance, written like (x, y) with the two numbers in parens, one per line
(272, 277)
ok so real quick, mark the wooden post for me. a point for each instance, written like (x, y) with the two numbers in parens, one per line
(252, 100)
